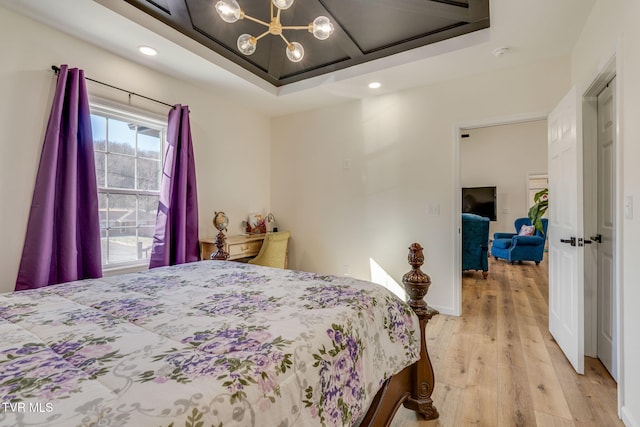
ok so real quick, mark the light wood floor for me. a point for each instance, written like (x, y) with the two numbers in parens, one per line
(497, 364)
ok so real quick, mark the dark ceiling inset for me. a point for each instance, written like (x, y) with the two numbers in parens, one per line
(364, 30)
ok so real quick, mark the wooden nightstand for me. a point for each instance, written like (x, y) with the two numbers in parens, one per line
(238, 247)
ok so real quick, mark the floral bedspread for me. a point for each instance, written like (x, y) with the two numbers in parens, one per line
(208, 343)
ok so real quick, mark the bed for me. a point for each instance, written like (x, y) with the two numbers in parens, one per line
(213, 343)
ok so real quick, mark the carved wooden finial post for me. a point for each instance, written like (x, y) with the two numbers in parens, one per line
(416, 284)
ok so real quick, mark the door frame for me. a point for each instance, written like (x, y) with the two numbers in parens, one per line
(609, 69)
(590, 161)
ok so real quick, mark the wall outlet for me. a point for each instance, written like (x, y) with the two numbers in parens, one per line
(628, 207)
(433, 209)
(346, 269)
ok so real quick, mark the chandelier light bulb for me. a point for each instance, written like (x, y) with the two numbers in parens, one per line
(282, 4)
(247, 44)
(229, 10)
(322, 28)
(295, 52)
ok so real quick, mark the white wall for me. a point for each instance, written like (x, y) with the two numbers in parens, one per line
(613, 27)
(503, 156)
(400, 150)
(232, 159)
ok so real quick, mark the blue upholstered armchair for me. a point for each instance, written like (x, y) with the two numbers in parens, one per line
(512, 247)
(475, 243)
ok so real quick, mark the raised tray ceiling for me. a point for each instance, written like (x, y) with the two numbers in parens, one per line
(364, 30)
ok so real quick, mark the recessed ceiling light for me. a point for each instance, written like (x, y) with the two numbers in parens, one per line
(149, 51)
(374, 85)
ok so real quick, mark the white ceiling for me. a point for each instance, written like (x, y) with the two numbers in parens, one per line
(532, 30)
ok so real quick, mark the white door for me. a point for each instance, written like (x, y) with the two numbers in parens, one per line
(605, 230)
(566, 279)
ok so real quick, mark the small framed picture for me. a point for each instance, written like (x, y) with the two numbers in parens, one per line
(255, 223)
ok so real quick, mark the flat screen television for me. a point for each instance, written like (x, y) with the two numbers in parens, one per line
(480, 201)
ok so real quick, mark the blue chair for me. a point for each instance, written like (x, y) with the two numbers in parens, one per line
(512, 247)
(475, 243)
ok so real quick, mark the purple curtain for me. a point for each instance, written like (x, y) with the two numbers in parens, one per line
(176, 236)
(63, 233)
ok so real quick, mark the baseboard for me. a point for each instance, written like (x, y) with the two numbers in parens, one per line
(444, 310)
(627, 418)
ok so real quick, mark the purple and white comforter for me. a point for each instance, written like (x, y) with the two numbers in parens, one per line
(202, 344)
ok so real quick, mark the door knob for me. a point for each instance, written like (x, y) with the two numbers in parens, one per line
(596, 238)
(571, 241)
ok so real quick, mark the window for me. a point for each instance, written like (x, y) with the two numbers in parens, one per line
(128, 154)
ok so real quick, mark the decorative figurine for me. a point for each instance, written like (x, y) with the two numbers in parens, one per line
(220, 221)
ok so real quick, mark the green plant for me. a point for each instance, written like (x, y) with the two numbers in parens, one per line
(540, 205)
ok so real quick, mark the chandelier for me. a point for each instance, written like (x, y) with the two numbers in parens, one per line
(230, 11)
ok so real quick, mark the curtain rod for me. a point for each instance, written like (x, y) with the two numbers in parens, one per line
(56, 70)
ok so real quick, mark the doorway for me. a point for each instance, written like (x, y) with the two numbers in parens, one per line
(497, 145)
(589, 125)
(502, 153)
(607, 325)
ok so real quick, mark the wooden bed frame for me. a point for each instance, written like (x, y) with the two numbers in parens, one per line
(412, 387)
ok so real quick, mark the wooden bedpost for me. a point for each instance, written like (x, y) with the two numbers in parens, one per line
(416, 284)
(411, 387)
